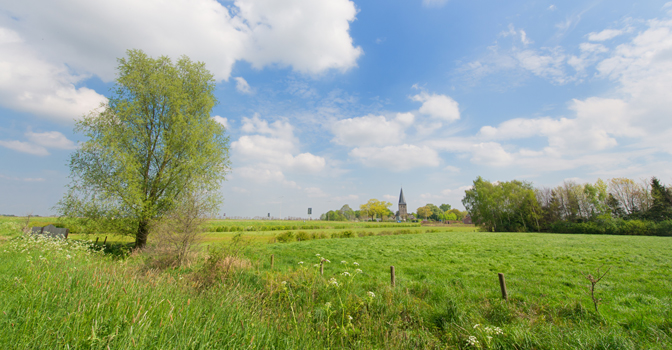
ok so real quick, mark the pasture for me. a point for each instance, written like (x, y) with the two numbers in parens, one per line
(446, 294)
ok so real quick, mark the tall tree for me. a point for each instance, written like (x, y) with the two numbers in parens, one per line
(375, 208)
(152, 141)
(661, 209)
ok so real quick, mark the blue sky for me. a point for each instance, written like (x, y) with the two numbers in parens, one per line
(335, 102)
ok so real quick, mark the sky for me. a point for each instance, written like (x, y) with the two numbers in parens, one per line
(335, 102)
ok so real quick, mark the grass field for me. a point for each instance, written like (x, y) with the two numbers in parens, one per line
(446, 284)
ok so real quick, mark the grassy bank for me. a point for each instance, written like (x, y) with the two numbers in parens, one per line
(446, 295)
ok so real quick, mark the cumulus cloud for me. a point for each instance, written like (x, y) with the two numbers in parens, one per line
(310, 36)
(396, 158)
(271, 149)
(46, 49)
(264, 176)
(35, 85)
(51, 139)
(371, 130)
(222, 120)
(242, 85)
(438, 106)
(39, 142)
(25, 147)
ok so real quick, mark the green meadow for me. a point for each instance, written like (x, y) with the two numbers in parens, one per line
(74, 295)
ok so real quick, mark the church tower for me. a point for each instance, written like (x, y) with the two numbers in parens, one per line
(402, 206)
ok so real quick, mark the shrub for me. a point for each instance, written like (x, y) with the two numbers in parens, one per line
(285, 237)
(302, 236)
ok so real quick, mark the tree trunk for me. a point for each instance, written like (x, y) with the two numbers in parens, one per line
(141, 235)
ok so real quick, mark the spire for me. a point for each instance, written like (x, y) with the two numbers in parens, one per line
(402, 200)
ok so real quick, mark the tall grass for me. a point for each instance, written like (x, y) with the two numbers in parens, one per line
(57, 294)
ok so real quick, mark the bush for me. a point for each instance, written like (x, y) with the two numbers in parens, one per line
(285, 237)
(302, 236)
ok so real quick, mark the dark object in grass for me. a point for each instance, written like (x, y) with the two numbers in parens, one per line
(593, 283)
(51, 231)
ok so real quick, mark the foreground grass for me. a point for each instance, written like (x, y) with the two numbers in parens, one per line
(446, 284)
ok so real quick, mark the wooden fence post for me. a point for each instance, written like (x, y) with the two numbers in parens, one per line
(96, 241)
(392, 275)
(272, 260)
(502, 285)
(322, 267)
(105, 240)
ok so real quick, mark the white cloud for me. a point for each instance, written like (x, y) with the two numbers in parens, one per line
(34, 85)
(491, 154)
(51, 139)
(396, 158)
(242, 85)
(310, 36)
(271, 151)
(438, 106)
(222, 120)
(370, 130)
(24, 147)
(46, 49)
(604, 35)
(264, 176)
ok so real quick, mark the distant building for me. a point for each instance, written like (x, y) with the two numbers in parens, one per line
(467, 220)
(402, 214)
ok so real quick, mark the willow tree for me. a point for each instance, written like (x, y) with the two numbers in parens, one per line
(152, 144)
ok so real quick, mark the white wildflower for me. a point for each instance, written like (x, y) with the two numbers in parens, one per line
(284, 283)
(476, 325)
(300, 262)
(498, 330)
(371, 294)
(346, 273)
(472, 341)
(343, 262)
(318, 254)
(349, 317)
(316, 265)
(327, 305)
(358, 270)
(333, 281)
(355, 263)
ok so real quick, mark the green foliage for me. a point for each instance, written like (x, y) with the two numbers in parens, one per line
(376, 209)
(662, 202)
(153, 141)
(504, 206)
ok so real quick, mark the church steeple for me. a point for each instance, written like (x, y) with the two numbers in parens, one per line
(402, 206)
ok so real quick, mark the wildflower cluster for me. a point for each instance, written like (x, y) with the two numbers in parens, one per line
(44, 248)
(486, 334)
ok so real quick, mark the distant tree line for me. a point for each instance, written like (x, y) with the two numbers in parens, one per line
(616, 206)
(444, 212)
(375, 209)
